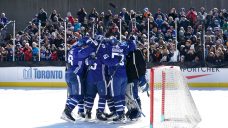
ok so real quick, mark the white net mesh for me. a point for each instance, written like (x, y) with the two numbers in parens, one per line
(173, 104)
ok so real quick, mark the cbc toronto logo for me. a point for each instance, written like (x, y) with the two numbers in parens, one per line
(35, 73)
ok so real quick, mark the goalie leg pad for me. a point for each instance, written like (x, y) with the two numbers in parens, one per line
(129, 96)
(133, 105)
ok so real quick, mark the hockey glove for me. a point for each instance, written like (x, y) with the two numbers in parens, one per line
(89, 61)
(93, 43)
(145, 87)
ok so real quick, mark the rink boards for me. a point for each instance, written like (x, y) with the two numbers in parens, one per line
(55, 77)
(33, 76)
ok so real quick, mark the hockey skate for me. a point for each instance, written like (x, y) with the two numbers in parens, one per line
(66, 115)
(110, 115)
(119, 118)
(101, 116)
(88, 114)
(81, 114)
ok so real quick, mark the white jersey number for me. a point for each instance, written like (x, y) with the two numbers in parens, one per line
(122, 57)
(70, 59)
(94, 66)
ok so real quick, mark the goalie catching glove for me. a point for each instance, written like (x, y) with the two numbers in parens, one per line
(144, 88)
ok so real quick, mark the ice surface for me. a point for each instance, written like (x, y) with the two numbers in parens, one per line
(42, 108)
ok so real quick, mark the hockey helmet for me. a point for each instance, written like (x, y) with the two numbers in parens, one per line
(99, 38)
(80, 43)
(114, 41)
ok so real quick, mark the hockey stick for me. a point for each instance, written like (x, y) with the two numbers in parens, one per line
(114, 72)
(98, 47)
(147, 92)
(111, 78)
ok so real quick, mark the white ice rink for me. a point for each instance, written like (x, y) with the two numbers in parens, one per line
(42, 108)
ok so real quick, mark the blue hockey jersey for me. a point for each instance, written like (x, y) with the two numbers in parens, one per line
(115, 57)
(76, 59)
(96, 64)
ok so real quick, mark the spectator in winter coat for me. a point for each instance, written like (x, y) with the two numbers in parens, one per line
(77, 25)
(70, 18)
(3, 19)
(173, 13)
(159, 21)
(54, 55)
(125, 15)
(3, 54)
(146, 13)
(9, 49)
(35, 52)
(81, 15)
(93, 14)
(42, 16)
(27, 52)
(159, 12)
(192, 16)
(19, 55)
(53, 16)
(184, 22)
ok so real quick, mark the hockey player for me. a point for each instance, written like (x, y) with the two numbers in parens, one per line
(136, 71)
(118, 80)
(95, 81)
(74, 74)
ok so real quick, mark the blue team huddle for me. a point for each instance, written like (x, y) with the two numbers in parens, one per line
(108, 67)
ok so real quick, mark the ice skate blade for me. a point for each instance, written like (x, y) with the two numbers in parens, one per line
(117, 122)
(67, 119)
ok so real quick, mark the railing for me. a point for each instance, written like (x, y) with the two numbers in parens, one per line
(4, 31)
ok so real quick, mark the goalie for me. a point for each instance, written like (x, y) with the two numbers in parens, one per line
(136, 70)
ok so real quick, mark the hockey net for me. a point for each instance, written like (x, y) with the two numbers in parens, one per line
(171, 103)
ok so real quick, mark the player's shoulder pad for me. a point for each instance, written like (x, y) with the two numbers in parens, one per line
(71, 51)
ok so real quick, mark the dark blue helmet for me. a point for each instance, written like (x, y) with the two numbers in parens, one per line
(114, 41)
(80, 43)
(83, 41)
(99, 38)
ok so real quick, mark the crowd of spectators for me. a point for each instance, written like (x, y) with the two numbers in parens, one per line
(165, 43)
